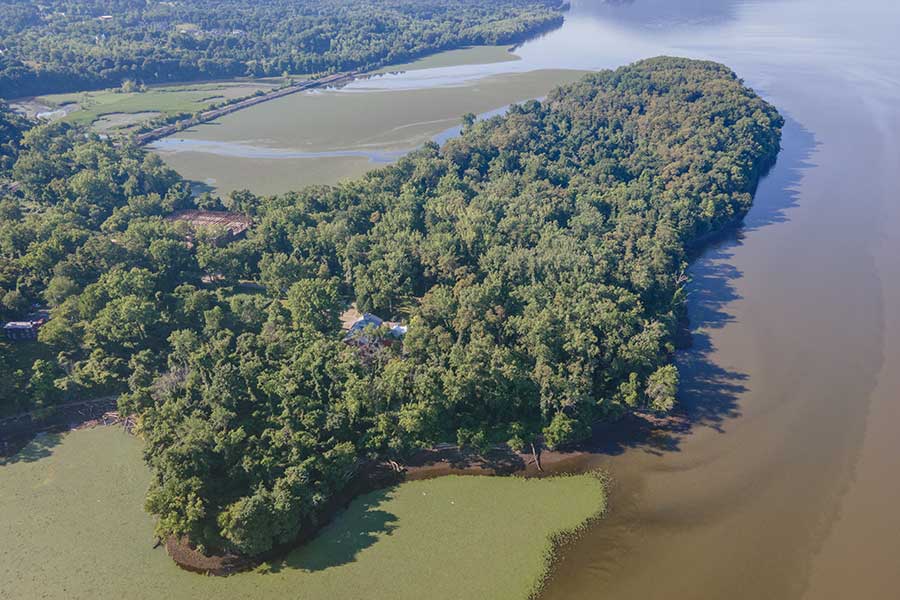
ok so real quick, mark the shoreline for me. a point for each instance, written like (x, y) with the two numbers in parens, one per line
(333, 79)
(607, 439)
(17, 431)
(442, 461)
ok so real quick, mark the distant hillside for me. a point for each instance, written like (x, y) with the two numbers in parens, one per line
(72, 45)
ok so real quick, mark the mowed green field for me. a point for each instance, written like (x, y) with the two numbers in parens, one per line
(167, 100)
(73, 527)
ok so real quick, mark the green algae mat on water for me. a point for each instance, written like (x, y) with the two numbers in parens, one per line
(73, 527)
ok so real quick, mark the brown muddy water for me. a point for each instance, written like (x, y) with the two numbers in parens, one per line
(786, 485)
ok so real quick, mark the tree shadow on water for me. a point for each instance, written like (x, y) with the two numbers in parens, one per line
(709, 393)
(198, 188)
(779, 190)
(499, 460)
(358, 527)
(28, 449)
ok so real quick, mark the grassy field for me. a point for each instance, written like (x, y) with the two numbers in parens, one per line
(73, 528)
(167, 100)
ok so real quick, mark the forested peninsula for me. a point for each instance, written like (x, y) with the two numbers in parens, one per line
(74, 45)
(537, 261)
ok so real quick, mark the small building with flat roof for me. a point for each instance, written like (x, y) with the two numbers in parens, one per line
(232, 225)
(26, 329)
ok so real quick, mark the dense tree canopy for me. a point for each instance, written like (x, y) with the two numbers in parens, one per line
(538, 260)
(12, 127)
(72, 45)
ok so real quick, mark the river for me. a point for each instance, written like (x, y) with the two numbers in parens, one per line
(785, 485)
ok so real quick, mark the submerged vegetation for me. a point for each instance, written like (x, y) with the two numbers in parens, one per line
(538, 260)
(435, 539)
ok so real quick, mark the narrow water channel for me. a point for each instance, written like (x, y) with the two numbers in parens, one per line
(785, 483)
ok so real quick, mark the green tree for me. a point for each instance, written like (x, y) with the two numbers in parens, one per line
(41, 385)
(315, 303)
(59, 289)
(564, 431)
(662, 387)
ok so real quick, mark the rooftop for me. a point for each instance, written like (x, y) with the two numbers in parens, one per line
(234, 223)
(356, 329)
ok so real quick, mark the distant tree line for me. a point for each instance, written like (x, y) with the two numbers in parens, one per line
(72, 45)
(538, 259)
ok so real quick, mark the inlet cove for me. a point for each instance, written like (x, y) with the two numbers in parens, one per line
(100, 545)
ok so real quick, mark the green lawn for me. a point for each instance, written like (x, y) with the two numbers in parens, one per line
(73, 528)
(167, 100)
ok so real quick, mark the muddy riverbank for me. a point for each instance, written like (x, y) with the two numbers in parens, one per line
(18, 430)
(443, 461)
